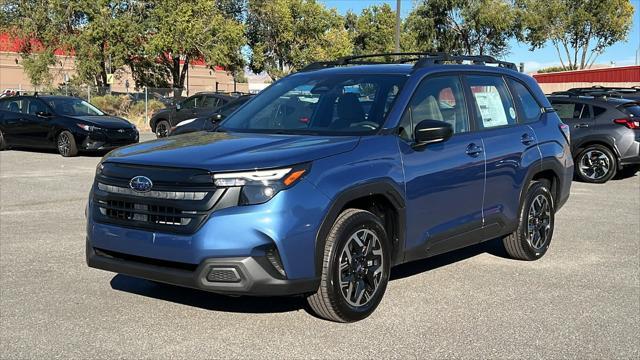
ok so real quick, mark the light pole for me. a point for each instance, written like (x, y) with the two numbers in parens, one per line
(398, 25)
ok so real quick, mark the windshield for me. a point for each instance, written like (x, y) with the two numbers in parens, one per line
(314, 104)
(73, 107)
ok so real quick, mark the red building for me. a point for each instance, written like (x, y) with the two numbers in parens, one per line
(623, 76)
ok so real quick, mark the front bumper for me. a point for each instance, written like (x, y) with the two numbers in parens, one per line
(240, 275)
(97, 141)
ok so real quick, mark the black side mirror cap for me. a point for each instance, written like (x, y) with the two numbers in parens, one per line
(216, 118)
(432, 131)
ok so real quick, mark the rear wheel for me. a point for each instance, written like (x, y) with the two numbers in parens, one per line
(596, 164)
(162, 128)
(67, 144)
(355, 269)
(533, 236)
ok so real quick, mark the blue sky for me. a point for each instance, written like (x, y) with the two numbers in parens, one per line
(622, 53)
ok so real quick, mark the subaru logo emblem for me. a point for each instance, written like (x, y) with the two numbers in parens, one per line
(140, 184)
(120, 130)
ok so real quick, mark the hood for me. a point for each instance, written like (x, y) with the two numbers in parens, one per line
(105, 121)
(216, 151)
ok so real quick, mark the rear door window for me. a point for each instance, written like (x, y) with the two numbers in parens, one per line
(571, 111)
(493, 103)
(12, 105)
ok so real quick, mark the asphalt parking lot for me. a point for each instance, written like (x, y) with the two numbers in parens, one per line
(582, 300)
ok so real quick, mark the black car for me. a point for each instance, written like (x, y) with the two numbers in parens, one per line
(632, 93)
(605, 134)
(198, 105)
(208, 122)
(65, 123)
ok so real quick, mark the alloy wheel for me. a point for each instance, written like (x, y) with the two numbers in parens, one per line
(361, 267)
(64, 144)
(162, 130)
(539, 222)
(595, 164)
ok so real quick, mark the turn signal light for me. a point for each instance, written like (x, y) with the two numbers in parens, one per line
(293, 177)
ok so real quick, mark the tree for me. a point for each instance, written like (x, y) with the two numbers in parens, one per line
(374, 30)
(179, 32)
(285, 35)
(40, 28)
(473, 27)
(579, 30)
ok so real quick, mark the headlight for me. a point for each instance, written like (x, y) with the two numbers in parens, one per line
(261, 185)
(86, 127)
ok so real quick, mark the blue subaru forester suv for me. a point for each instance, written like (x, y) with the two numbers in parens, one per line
(333, 175)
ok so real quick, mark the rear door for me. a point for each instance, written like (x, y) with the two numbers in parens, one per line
(13, 121)
(189, 108)
(578, 115)
(510, 147)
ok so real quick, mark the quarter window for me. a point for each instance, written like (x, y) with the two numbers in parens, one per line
(440, 98)
(493, 104)
(528, 104)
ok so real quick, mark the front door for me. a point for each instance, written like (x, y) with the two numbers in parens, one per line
(444, 181)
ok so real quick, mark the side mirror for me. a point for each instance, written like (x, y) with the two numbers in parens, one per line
(216, 118)
(43, 114)
(432, 131)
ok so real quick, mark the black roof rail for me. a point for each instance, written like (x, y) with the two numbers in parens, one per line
(595, 93)
(421, 59)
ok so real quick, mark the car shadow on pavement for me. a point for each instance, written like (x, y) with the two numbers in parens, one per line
(100, 153)
(493, 247)
(206, 300)
(248, 304)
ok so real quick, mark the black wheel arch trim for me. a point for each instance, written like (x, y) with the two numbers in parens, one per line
(383, 187)
(608, 141)
(546, 164)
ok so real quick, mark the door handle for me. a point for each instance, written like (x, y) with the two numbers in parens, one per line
(473, 150)
(527, 139)
(582, 125)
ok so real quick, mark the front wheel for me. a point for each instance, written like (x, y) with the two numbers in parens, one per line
(67, 144)
(355, 269)
(596, 164)
(3, 144)
(162, 128)
(531, 239)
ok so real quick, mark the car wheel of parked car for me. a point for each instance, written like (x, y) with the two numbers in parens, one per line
(355, 270)
(162, 128)
(531, 239)
(596, 164)
(67, 144)
(3, 145)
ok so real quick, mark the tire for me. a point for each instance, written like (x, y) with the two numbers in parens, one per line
(3, 144)
(66, 144)
(523, 244)
(369, 272)
(596, 164)
(162, 128)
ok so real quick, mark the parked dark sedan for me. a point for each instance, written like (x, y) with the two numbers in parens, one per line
(198, 105)
(65, 123)
(209, 122)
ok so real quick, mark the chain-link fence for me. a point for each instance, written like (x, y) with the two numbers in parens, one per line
(136, 105)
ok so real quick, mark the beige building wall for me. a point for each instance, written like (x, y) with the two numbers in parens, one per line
(201, 78)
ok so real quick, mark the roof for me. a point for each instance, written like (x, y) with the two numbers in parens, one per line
(402, 69)
(591, 99)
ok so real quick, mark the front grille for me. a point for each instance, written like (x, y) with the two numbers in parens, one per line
(152, 214)
(179, 201)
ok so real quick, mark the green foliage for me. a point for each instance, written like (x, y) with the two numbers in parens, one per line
(551, 69)
(123, 106)
(579, 30)
(374, 30)
(471, 27)
(285, 35)
(181, 31)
